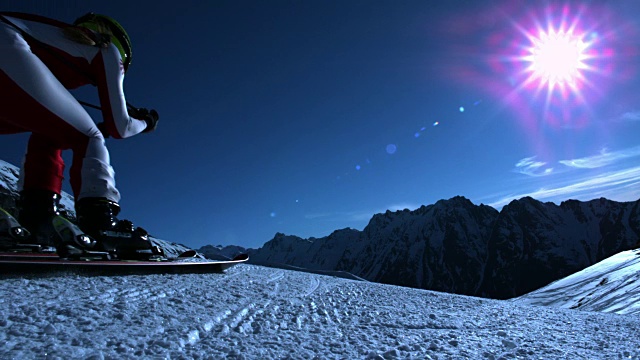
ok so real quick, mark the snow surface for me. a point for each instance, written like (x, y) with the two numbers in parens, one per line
(612, 285)
(254, 312)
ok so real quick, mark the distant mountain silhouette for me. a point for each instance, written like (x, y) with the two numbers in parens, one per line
(457, 247)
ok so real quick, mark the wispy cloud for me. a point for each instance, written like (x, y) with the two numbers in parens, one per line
(350, 216)
(625, 184)
(630, 116)
(317, 216)
(359, 215)
(341, 216)
(528, 166)
(603, 159)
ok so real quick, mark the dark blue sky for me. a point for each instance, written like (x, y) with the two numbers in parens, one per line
(304, 117)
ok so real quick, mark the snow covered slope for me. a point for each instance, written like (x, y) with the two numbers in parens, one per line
(254, 312)
(612, 285)
(9, 175)
(8, 186)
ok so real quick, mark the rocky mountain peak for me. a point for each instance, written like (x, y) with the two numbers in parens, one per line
(456, 246)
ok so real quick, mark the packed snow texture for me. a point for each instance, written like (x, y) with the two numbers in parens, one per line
(254, 312)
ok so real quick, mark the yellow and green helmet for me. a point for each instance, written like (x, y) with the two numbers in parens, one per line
(119, 37)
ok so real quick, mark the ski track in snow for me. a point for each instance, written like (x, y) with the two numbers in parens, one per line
(254, 312)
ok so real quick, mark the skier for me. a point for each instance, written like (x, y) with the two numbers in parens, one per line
(42, 58)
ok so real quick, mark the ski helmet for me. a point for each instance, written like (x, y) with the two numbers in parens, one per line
(119, 36)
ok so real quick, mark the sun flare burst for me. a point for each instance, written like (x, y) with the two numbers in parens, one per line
(552, 62)
(557, 58)
(558, 54)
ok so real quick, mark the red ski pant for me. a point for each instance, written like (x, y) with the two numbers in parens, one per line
(43, 165)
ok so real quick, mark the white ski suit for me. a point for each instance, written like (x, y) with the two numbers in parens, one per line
(38, 63)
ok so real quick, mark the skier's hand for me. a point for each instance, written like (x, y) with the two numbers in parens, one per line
(152, 120)
(149, 116)
(137, 113)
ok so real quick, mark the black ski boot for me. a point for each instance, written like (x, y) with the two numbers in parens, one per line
(39, 214)
(11, 232)
(97, 217)
(36, 210)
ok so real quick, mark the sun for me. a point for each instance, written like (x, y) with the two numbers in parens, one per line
(557, 58)
(555, 62)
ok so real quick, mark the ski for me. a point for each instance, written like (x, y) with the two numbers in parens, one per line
(18, 256)
(42, 263)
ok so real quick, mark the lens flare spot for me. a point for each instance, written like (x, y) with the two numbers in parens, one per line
(436, 123)
(391, 149)
(358, 167)
(461, 109)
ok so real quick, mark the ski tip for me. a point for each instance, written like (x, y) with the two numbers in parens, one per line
(241, 257)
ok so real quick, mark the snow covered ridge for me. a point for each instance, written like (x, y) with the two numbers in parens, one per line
(9, 175)
(452, 246)
(254, 312)
(8, 185)
(612, 285)
(220, 252)
(457, 247)
(171, 249)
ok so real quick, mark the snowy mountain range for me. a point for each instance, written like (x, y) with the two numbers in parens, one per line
(457, 247)
(261, 312)
(452, 246)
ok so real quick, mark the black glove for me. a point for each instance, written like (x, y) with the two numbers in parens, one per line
(152, 120)
(149, 116)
